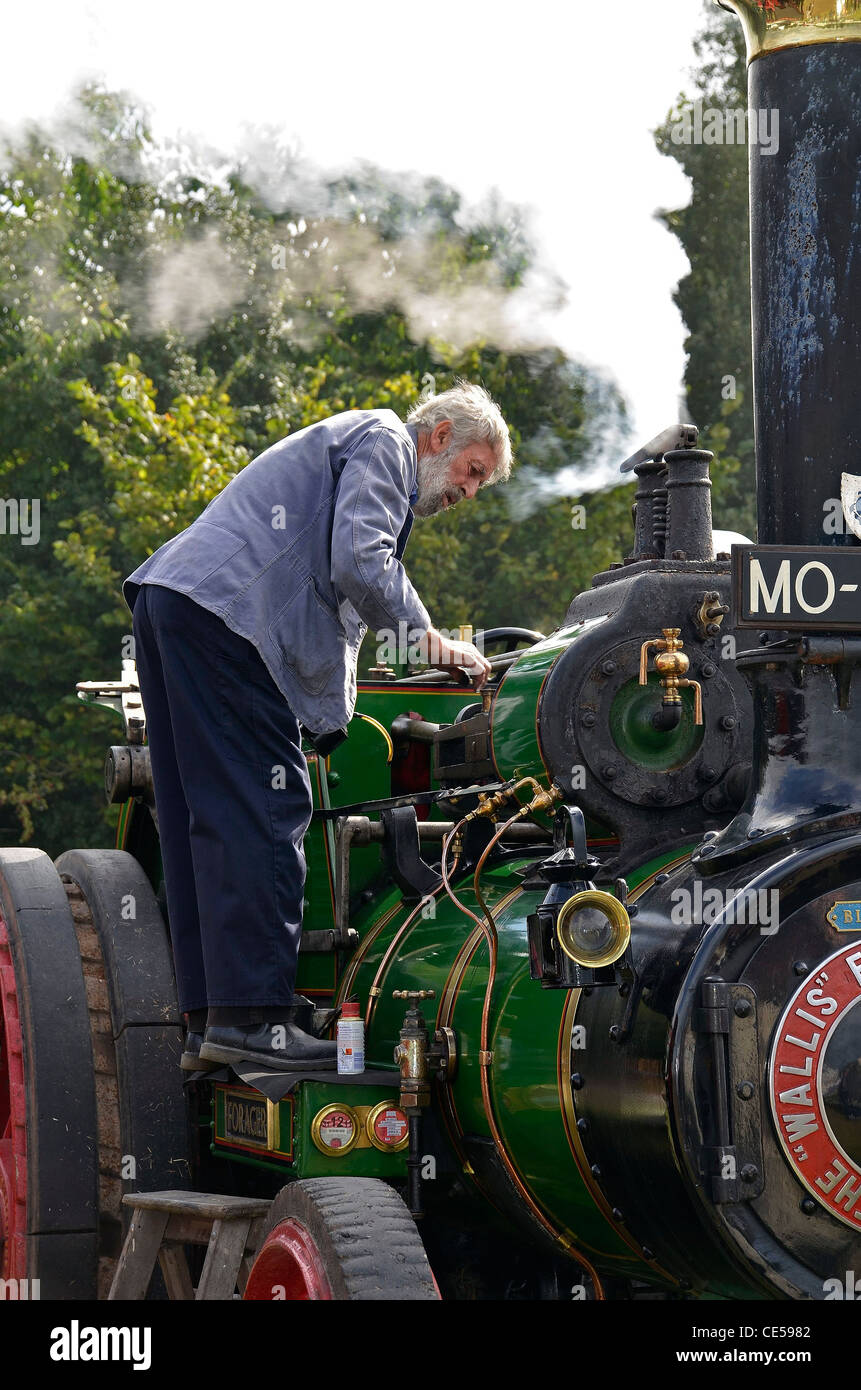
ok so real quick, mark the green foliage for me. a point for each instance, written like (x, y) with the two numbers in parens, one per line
(159, 327)
(714, 299)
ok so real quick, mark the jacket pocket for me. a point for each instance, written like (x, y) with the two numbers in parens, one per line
(309, 637)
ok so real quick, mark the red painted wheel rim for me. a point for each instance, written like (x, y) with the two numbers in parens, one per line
(289, 1267)
(13, 1123)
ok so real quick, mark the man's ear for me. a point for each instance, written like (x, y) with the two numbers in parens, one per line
(441, 436)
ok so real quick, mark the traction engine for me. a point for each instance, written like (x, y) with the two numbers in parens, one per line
(603, 922)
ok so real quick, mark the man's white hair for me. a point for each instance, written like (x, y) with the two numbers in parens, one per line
(475, 418)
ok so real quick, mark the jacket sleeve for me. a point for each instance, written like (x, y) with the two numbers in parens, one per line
(371, 506)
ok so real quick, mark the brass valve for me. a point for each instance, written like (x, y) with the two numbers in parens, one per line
(711, 614)
(489, 805)
(541, 801)
(671, 663)
(418, 1057)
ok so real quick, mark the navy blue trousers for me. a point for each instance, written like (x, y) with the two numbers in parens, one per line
(233, 798)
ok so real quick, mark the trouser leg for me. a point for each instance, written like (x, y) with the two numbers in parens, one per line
(173, 816)
(246, 786)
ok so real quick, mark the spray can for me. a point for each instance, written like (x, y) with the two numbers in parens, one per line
(350, 1036)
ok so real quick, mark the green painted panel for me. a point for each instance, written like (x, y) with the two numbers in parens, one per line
(358, 1162)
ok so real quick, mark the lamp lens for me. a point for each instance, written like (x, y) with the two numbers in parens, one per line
(590, 931)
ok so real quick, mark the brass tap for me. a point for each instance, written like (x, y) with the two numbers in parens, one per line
(671, 663)
(543, 800)
(711, 614)
(419, 1058)
(489, 805)
(492, 805)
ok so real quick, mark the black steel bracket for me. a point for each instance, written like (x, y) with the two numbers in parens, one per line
(402, 853)
(733, 1162)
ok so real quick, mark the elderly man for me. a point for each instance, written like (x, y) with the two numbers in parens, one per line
(247, 630)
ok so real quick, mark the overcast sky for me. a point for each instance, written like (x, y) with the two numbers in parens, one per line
(550, 103)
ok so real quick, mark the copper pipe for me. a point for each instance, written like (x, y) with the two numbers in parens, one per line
(375, 989)
(488, 927)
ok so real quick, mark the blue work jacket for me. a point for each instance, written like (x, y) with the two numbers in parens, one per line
(301, 554)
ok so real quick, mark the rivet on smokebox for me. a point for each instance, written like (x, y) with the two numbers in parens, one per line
(742, 1007)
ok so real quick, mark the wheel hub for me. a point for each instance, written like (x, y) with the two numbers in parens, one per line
(289, 1267)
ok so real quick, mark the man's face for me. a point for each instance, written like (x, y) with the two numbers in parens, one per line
(448, 473)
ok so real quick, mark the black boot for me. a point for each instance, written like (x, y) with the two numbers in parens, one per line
(191, 1059)
(282, 1045)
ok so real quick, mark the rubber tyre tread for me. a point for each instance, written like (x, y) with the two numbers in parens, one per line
(146, 1039)
(144, 1015)
(368, 1241)
(137, 952)
(61, 1123)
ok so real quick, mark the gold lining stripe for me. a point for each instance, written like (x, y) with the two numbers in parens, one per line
(445, 1012)
(361, 951)
(569, 1124)
(569, 1111)
(566, 1238)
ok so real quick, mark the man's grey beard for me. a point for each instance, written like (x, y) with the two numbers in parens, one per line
(433, 482)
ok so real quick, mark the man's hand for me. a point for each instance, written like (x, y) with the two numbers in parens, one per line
(442, 652)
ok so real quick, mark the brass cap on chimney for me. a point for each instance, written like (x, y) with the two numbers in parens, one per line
(770, 25)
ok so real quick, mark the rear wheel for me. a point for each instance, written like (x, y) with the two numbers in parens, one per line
(340, 1239)
(48, 1129)
(135, 1034)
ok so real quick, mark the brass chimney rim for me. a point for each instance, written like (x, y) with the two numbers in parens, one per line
(773, 25)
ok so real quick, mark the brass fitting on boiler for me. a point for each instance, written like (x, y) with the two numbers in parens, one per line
(543, 800)
(671, 663)
(419, 1058)
(492, 805)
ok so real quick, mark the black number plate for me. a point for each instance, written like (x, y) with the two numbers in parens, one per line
(805, 588)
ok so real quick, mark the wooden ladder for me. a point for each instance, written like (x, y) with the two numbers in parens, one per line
(162, 1222)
